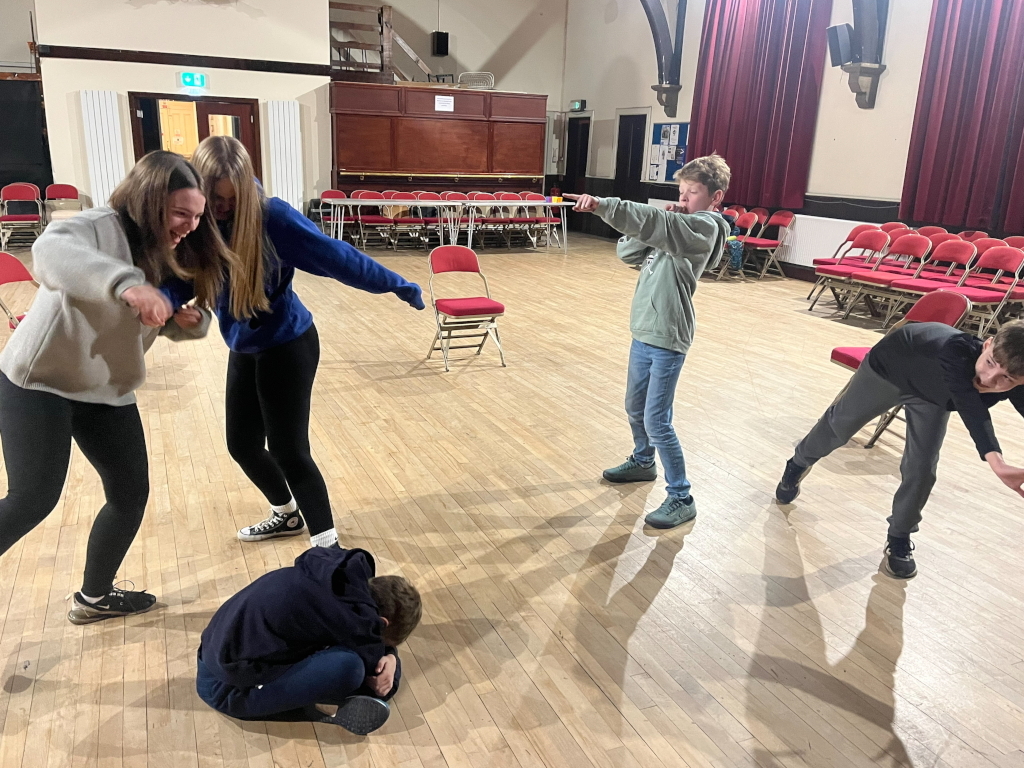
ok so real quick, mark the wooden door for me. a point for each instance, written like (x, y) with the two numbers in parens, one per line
(238, 118)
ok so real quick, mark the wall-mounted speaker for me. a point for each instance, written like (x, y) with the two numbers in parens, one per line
(843, 46)
(438, 43)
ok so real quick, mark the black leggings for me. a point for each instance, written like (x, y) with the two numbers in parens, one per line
(267, 414)
(37, 428)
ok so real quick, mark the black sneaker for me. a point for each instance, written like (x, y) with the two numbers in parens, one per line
(275, 526)
(899, 558)
(789, 486)
(360, 714)
(117, 602)
(631, 471)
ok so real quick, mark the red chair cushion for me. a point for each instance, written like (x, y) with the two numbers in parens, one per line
(478, 305)
(919, 285)
(876, 278)
(851, 357)
(839, 270)
(523, 220)
(19, 217)
(371, 219)
(493, 220)
(549, 220)
(409, 221)
(847, 260)
(979, 296)
(758, 242)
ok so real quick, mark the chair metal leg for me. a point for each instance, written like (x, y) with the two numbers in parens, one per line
(852, 302)
(815, 287)
(883, 424)
(497, 342)
(824, 285)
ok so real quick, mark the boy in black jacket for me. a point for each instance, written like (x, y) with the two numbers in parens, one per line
(931, 370)
(321, 632)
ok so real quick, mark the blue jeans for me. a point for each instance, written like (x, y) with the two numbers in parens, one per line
(326, 677)
(650, 390)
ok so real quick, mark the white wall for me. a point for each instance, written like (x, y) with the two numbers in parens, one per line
(610, 62)
(15, 32)
(863, 152)
(522, 42)
(63, 79)
(275, 30)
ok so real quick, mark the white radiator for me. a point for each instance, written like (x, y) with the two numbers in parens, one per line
(813, 237)
(285, 138)
(104, 149)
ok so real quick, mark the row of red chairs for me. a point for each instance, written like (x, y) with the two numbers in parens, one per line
(894, 268)
(30, 225)
(760, 253)
(412, 216)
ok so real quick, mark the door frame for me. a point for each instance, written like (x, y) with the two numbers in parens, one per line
(647, 143)
(136, 121)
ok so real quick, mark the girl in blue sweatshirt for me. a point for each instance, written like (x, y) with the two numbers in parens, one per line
(273, 341)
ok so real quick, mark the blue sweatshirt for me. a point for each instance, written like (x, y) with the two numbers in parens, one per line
(299, 245)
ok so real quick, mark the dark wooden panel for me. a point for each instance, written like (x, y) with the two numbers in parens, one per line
(468, 104)
(441, 146)
(517, 148)
(510, 106)
(181, 60)
(365, 99)
(362, 142)
(412, 182)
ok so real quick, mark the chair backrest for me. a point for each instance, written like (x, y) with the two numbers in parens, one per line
(927, 231)
(533, 196)
(481, 196)
(747, 220)
(781, 219)
(1003, 258)
(20, 190)
(761, 213)
(1015, 241)
(896, 234)
(740, 210)
(390, 193)
(954, 252)
(428, 195)
(453, 258)
(401, 196)
(367, 194)
(456, 196)
(61, 192)
(870, 240)
(984, 243)
(12, 270)
(332, 194)
(507, 196)
(356, 194)
(858, 229)
(939, 307)
(890, 225)
(913, 245)
(973, 234)
(943, 237)
(418, 192)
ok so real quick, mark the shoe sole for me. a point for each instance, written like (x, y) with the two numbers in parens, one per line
(889, 572)
(630, 480)
(361, 715)
(81, 615)
(275, 535)
(795, 496)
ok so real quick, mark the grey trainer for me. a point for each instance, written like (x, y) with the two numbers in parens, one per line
(631, 471)
(673, 511)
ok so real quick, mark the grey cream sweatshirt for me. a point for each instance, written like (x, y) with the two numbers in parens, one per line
(673, 249)
(80, 340)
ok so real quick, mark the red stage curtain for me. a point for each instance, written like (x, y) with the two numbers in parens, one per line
(756, 97)
(966, 164)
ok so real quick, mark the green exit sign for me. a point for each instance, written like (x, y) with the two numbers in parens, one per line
(192, 80)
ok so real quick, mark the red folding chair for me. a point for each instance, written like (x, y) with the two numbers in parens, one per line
(62, 202)
(405, 219)
(859, 255)
(890, 225)
(766, 248)
(546, 221)
(745, 223)
(462, 318)
(989, 299)
(762, 215)
(13, 271)
(905, 258)
(939, 307)
(484, 220)
(334, 220)
(20, 223)
(929, 231)
(372, 223)
(943, 237)
(949, 265)
(1015, 241)
(970, 235)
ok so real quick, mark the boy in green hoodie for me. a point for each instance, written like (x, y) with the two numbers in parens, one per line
(674, 247)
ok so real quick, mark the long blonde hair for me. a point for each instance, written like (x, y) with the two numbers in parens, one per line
(224, 157)
(141, 203)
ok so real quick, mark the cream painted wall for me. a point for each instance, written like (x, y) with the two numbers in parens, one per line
(610, 62)
(275, 30)
(520, 41)
(63, 79)
(863, 152)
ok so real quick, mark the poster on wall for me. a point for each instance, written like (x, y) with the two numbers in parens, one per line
(668, 151)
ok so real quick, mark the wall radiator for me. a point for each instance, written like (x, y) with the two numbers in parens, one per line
(104, 149)
(285, 137)
(813, 237)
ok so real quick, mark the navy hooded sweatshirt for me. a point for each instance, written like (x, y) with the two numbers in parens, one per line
(286, 615)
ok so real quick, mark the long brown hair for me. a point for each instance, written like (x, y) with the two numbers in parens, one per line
(141, 201)
(225, 157)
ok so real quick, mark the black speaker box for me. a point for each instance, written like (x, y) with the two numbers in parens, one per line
(843, 47)
(438, 43)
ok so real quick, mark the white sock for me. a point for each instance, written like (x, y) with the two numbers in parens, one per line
(324, 538)
(286, 509)
(91, 600)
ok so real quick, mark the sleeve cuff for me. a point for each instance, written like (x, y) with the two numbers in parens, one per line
(133, 279)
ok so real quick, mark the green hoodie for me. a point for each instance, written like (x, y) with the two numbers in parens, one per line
(674, 249)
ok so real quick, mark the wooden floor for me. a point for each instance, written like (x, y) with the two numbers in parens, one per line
(557, 631)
